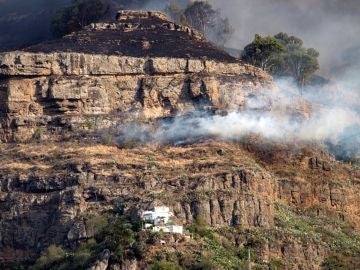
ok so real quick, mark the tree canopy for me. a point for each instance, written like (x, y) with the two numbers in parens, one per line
(262, 52)
(203, 17)
(78, 15)
(283, 55)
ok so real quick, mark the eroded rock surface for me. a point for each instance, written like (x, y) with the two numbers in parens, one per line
(58, 84)
(48, 192)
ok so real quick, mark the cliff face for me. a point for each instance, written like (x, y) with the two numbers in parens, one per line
(62, 175)
(298, 207)
(168, 69)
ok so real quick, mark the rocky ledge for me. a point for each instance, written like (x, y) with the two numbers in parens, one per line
(140, 64)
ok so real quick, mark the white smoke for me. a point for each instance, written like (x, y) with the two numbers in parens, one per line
(332, 116)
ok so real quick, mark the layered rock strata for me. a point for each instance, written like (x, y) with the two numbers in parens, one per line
(48, 86)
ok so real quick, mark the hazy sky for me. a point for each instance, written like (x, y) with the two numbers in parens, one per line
(330, 26)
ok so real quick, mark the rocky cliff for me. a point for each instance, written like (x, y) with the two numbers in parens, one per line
(141, 64)
(298, 206)
(70, 194)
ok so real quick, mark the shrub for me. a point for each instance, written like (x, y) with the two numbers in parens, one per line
(89, 125)
(81, 257)
(205, 264)
(107, 139)
(128, 144)
(51, 255)
(334, 263)
(165, 265)
(276, 264)
(199, 227)
(95, 225)
(154, 238)
(243, 254)
(118, 235)
(139, 249)
(38, 133)
(17, 266)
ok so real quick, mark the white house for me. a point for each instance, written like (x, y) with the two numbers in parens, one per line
(176, 229)
(160, 215)
(169, 229)
(160, 220)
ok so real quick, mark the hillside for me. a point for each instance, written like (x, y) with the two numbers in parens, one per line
(288, 205)
(77, 168)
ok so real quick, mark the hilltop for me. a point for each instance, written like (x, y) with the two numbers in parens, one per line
(137, 34)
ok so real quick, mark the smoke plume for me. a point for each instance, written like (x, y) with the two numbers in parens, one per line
(335, 120)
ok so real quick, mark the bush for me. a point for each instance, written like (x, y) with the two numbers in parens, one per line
(95, 225)
(113, 233)
(334, 263)
(118, 236)
(243, 254)
(89, 125)
(154, 237)
(139, 249)
(205, 264)
(51, 255)
(200, 228)
(276, 264)
(81, 257)
(38, 133)
(165, 265)
(128, 144)
(107, 139)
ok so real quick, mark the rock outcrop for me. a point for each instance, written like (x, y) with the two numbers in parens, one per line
(141, 65)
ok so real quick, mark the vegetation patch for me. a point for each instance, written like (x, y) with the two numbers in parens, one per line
(322, 228)
(115, 233)
(220, 253)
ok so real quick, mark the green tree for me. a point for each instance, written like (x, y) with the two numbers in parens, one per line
(283, 55)
(78, 15)
(297, 61)
(263, 52)
(335, 263)
(118, 236)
